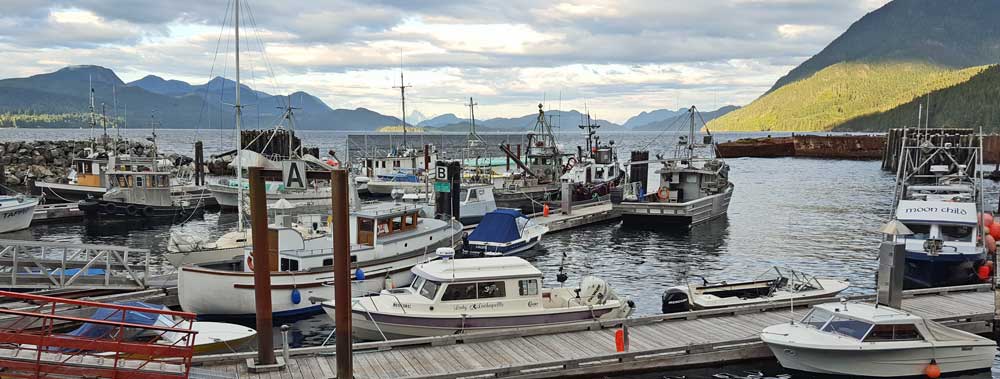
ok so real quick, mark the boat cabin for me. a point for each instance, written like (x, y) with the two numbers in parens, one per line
(690, 179)
(88, 172)
(147, 188)
(953, 224)
(396, 161)
(374, 223)
(867, 323)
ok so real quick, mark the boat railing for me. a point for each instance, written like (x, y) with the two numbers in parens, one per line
(374, 322)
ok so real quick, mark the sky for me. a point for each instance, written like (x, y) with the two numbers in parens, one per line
(614, 57)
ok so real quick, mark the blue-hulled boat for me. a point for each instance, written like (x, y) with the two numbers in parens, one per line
(505, 232)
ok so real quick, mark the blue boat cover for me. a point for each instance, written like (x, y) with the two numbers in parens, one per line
(133, 317)
(399, 177)
(498, 226)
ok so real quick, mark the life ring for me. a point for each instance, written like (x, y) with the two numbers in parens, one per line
(250, 262)
(132, 210)
(663, 194)
(108, 208)
(147, 211)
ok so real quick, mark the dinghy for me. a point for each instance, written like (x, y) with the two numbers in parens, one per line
(776, 285)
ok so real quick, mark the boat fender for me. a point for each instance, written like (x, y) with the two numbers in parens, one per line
(983, 272)
(388, 282)
(250, 262)
(132, 210)
(663, 194)
(933, 371)
(147, 211)
(296, 296)
(359, 274)
(675, 300)
(631, 304)
(108, 208)
(562, 277)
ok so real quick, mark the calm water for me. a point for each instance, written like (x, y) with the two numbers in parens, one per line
(819, 216)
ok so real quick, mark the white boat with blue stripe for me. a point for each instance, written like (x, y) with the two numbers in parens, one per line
(505, 232)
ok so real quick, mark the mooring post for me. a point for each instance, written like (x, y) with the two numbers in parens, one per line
(566, 198)
(518, 151)
(342, 272)
(427, 157)
(3, 178)
(508, 158)
(199, 164)
(262, 268)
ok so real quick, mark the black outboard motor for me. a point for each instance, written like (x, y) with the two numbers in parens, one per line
(675, 300)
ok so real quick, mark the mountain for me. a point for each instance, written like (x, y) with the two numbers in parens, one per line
(564, 119)
(890, 56)
(949, 33)
(415, 117)
(441, 120)
(61, 99)
(970, 104)
(652, 116)
(681, 121)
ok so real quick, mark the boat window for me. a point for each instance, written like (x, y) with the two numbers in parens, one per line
(459, 291)
(289, 264)
(527, 287)
(395, 163)
(817, 318)
(920, 231)
(956, 233)
(903, 332)
(418, 282)
(847, 327)
(383, 227)
(599, 173)
(429, 289)
(489, 290)
(138, 181)
(473, 196)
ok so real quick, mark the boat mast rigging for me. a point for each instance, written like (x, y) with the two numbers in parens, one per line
(402, 96)
(239, 115)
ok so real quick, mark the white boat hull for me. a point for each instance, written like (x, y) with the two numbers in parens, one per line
(690, 213)
(227, 196)
(883, 363)
(205, 256)
(385, 188)
(17, 216)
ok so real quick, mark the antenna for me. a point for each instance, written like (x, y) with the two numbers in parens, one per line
(402, 94)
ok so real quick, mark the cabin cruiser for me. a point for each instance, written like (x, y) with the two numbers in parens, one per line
(690, 189)
(451, 296)
(141, 191)
(778, 284)
(860, 339)
(16, 212)
(386, 241)
(505, 232)
(938, 198)
(538, 180)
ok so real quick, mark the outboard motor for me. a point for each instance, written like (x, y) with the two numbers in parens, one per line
(675, 300)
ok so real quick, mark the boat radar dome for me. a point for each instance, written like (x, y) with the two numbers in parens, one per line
(445, 252)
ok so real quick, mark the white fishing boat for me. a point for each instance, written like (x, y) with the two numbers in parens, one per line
(411, 181)
(776, 285)
(860, 339)
(16, 212)
(386, 241)
(505, 232)
(453, 296)
(475, 201)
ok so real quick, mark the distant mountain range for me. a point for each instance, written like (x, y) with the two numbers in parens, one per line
(61, 99)
(681, 121)
(876, 70)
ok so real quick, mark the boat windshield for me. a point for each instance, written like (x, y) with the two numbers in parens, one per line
(817, 318)
(920, 231)
(429, 289)
(956, 233)
(790, 280)
(847, 327)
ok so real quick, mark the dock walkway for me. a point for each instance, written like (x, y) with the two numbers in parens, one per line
(580, 215)
(657, 342)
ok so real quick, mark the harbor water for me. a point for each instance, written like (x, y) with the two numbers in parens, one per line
(817, 216)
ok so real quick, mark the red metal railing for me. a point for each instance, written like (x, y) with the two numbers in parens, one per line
(31, 345)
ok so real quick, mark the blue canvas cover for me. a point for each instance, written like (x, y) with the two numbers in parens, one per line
(497, 226)
(132, 317)
(399, 177)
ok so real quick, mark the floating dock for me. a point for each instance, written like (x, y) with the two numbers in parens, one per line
(580, 215)
(862, 147)
(52, 213)
(657, 342)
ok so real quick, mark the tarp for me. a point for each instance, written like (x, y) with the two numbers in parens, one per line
(500, 225)
(399, 177)
(938, 212)
(134, 317)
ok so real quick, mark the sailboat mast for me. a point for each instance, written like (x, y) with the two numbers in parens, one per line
(402, 95)
(93, 116)
(239, 115)
(691, 134)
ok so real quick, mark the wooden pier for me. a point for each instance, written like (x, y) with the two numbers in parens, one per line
(580, 215)
(658, 342)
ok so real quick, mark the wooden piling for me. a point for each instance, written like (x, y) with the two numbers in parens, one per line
(199, 164)
(508, 158)
(261, 267)
(342, 272)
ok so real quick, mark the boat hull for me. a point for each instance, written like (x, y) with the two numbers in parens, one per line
(227, 196)
(111, 210)
(205, 256)
(883, 362)
(528, 201)
(512, 249)
(372, 326)
(943, 270)
(379, 188)
(66, 193)
(18, 216)
(654, 214)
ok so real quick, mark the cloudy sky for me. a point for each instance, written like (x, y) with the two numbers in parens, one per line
(619, 57)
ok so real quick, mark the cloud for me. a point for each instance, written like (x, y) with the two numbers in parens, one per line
(622, 56)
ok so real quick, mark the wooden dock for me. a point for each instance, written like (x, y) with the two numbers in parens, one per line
(51, 213)
(580, 215)
(657, 342)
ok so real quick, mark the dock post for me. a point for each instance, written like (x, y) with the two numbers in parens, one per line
(199, 164)
(518, 151)
(427, 157)
(3, 178)
(342, 272)
(891, 261)
(566, 199)
(508, 158)
(262, 268)
(455, 177)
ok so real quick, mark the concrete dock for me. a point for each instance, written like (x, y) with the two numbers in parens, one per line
(657, 342)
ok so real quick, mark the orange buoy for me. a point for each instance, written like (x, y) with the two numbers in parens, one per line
(983, 272)
(250, 262)
(620, 341)
(663, 194)
(545, 210)
(991, 244)
(986, 218)
(933, 371)
(995, 230)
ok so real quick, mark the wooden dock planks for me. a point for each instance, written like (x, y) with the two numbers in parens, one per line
(710, 337)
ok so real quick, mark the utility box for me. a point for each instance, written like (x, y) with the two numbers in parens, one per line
(891, 263)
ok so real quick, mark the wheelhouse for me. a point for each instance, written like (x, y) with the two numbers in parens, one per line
(883, 325)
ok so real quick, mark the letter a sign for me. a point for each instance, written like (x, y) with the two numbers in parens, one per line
(293, 174)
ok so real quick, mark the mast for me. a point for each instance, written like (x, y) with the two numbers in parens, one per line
(691, 134)
(104, 125)
(402, 96)
(239, 115)
(93, 115)
(473, 136)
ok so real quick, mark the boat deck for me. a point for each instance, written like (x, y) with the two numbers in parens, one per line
(657, 342)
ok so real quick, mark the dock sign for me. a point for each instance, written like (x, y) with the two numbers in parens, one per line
(293, 174)
(442, 187)
(441, 172)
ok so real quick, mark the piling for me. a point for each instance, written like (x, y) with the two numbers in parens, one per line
(341, 272)
(262, 268)
(508, 158)
(199, 164)
(427, 157)
(639, 172)
(3, 178)
(518, 151)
